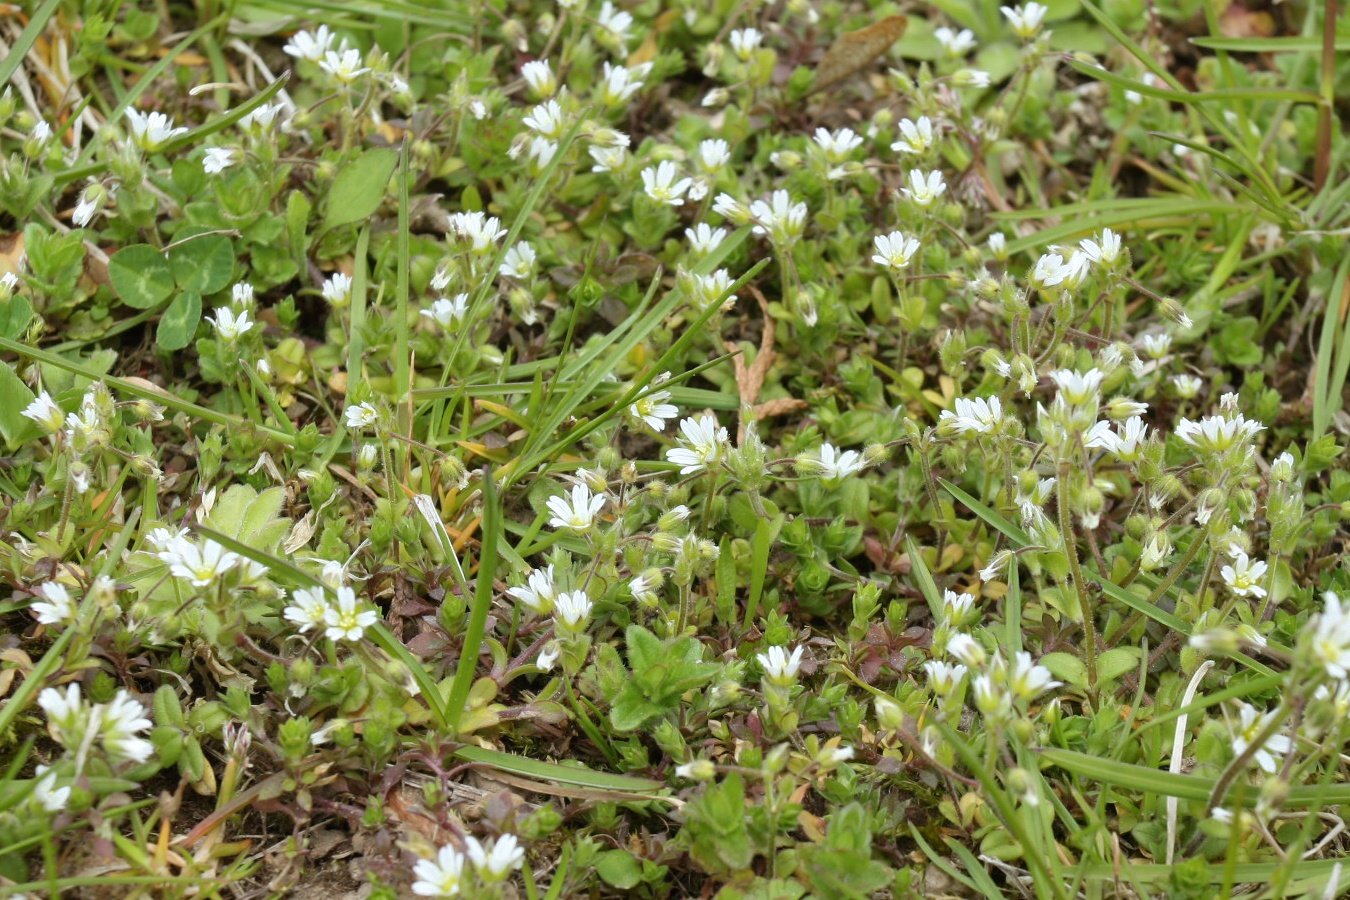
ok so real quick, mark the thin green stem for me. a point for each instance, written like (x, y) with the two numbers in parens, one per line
(1076, 570)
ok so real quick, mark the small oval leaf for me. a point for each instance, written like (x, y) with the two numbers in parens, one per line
(179, 322)
(358, 189)
(202, 265)
(141, 275)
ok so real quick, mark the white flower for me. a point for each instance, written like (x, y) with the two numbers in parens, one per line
(1051, 269)
(659, 182)
(643, 587)
(976, 78)
(63, 711)
(1187, 386)
(1026, 19)
(150, 132)
(440, 877)
(538, 592)
(998, 245)
(58, 609)
(925, 188)
(835, 756)
(979, 415)
(966, 649)
(700, 445)
(1218, 434)
(343, 65)
(548, 655)
(1154, 552)
(1331, 637)
(541, 153)
(1105, 250)
(84, 211)
(894, 250)
(744, 42)
(346, 620)
(703, 238)
(547, 120)
(915, 137)
(261, 118)
(497, 864)
(538, 74)
(1243, 577)
(519, 261)
(578, 515)
(571, 610)
(835, 466)
(837, 145)
(446, 312)
(780, 667)
(1078, 388)
(1124, 445)
(217, 160)
(242, 294)
(228, 326)
(1156, 345)
(362, 415)
(122, 718)
(705, 290)
(956, 44)
(943, 678)
(337, 289)
(713, 154)
(608, 158)
(44, 411)
(991, 698)
(731, 209)
(651, 407)
(200, 565)
(780, 218)
(1076, 269)
(1250, 726)
(959, 610)
(47, 795)
(716, 97)
(307, 608)
(615, 23)
(617, 85)
(312, 47)
(1027, 680)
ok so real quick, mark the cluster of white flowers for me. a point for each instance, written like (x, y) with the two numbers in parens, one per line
(77, 725)
(445, 875)
(342, 616)
(200, 564)
(998, 685)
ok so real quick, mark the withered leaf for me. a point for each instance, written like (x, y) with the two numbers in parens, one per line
(854, 51)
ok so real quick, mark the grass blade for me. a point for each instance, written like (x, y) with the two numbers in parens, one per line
(467, 666)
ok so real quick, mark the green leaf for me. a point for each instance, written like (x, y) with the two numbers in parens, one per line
(1117, 661)
(14, 396)
(15, 314)
(179, 322)
(619, 868)
(1067, 668)
(141, 276)
(644, 648)
(360, 186)
(579, 776)
(202, 264)
(1185, 787)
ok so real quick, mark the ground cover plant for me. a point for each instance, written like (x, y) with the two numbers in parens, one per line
(686, 448)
